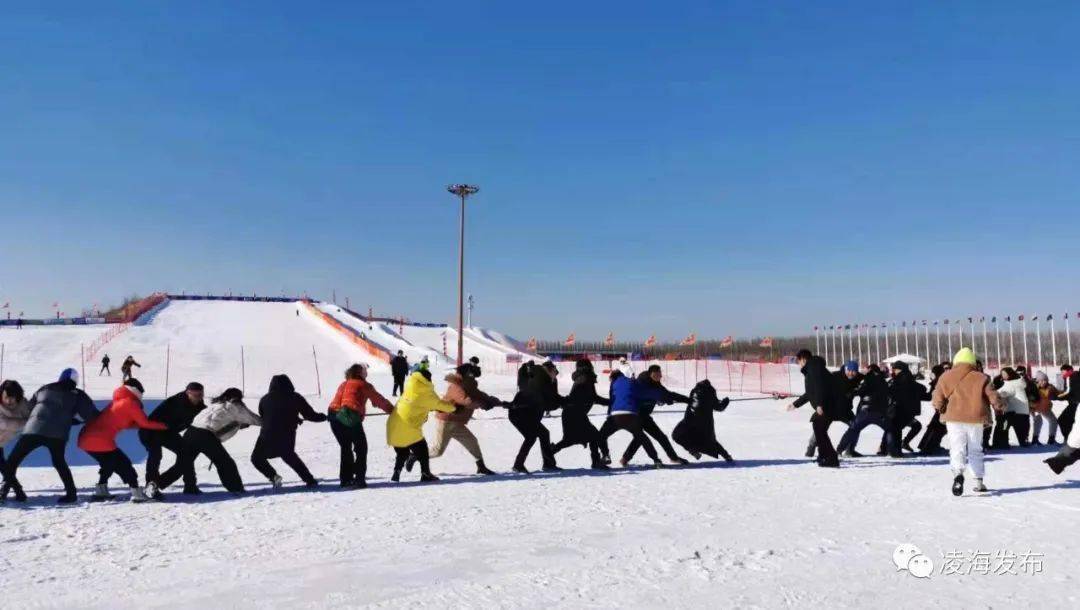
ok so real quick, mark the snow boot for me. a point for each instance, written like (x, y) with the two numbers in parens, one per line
(979, 487)
(958, 485)
(311, 483)
(599, 465)
(20, 495)
(483, 469)
(137, 495)
(427, 477)
(68, 498)
(396, 477)
(276, 482)
(520, 469)
(410, 462)
(192, 490)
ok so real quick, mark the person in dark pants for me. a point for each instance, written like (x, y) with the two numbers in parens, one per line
(126, 365)
(14, 411)
(873, 393)
(577, 429)
(226, 415)
(650, 393)
(53, 410)
(346, 415)
(696, 432)
(930, 443)
(98, 438)
(105, 366)
(526, 414)
(405, 424)
(822, 395)
(176, 412)
(399, 368)
(845, 382)
(1071, 396)
(623, 415)
(905, 404)
(282, 411)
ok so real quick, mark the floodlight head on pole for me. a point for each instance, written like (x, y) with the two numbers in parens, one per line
(462, 191)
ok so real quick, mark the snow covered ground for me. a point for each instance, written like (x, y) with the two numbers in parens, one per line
(772, 530)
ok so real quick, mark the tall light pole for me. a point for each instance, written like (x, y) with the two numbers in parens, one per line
(462, 191)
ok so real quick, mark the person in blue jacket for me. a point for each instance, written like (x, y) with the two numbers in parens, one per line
(650, 393)
(623, 415)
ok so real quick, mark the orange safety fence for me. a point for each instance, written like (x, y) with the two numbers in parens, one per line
(350, 333)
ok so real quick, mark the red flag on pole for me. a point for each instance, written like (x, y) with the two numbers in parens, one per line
(531, 345)
(651, 341)
(570, 341)
(690, 340)
(727, 342)
(766, 342)
(609, 340)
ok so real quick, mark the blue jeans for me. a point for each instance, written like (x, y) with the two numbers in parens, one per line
(864, 418)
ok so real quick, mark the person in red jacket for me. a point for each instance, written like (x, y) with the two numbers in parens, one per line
(346, 415)
(98, 438)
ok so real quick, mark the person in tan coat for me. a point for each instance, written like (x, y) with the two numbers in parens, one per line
(964, 397)
(463, 391)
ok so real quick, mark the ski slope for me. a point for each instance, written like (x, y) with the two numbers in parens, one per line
(492, 354)
(382, 334)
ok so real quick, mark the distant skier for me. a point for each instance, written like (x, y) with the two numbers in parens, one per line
(53, 410)
(176, 412)
(650, 393)
(282, 409)
(346, 415)
(697, 431)
(226, 415)
(964, 397)
(405, 425)
(541, 395)
(827, 401)
(98, 438)
(577, 429)
(125, 367)
(105, 366)
(463, 391)
(399, 368)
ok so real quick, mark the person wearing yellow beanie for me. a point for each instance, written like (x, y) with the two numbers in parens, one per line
(965, 356)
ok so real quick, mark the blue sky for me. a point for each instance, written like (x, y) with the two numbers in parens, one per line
(722, 167)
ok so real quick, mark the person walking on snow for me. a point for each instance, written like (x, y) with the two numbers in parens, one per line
(577, 429)
(541, 395)
(346, 415)
(650, 393)
(226, 415)
(105, 366)
(405, 425)
(53, 410)
(623, 415)
(126, 365)
(1043, 409)
(463, 391)
(964, 397)
(826, 400)
(697, 431)
(399, 368)
(176, 412)
(98, 438)
(282, 410)
(14, 411)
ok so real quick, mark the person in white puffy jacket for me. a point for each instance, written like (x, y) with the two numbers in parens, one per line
(1017, 409)
(226, 415)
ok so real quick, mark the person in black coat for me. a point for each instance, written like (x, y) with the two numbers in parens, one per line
(524, 374)
(577, 429)
(905, 405)
(176, 412)
(282, 410)
(930, 443)
(823, 394)
(650, 393)
(1071, 396)
(842, 385)
(399, 368)
(873, 393)
(697, 431)
(540, 395)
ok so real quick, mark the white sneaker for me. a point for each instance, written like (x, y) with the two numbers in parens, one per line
(137, 495)
(101, 492)
(276, 481)
(152, 490)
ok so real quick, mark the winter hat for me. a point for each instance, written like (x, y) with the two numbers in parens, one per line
(1041, 376)
(964, 356)
(474, 360)
(135, 385)
(852, 366)
(71, 375)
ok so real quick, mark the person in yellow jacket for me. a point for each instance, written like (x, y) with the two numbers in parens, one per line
(405, 426)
